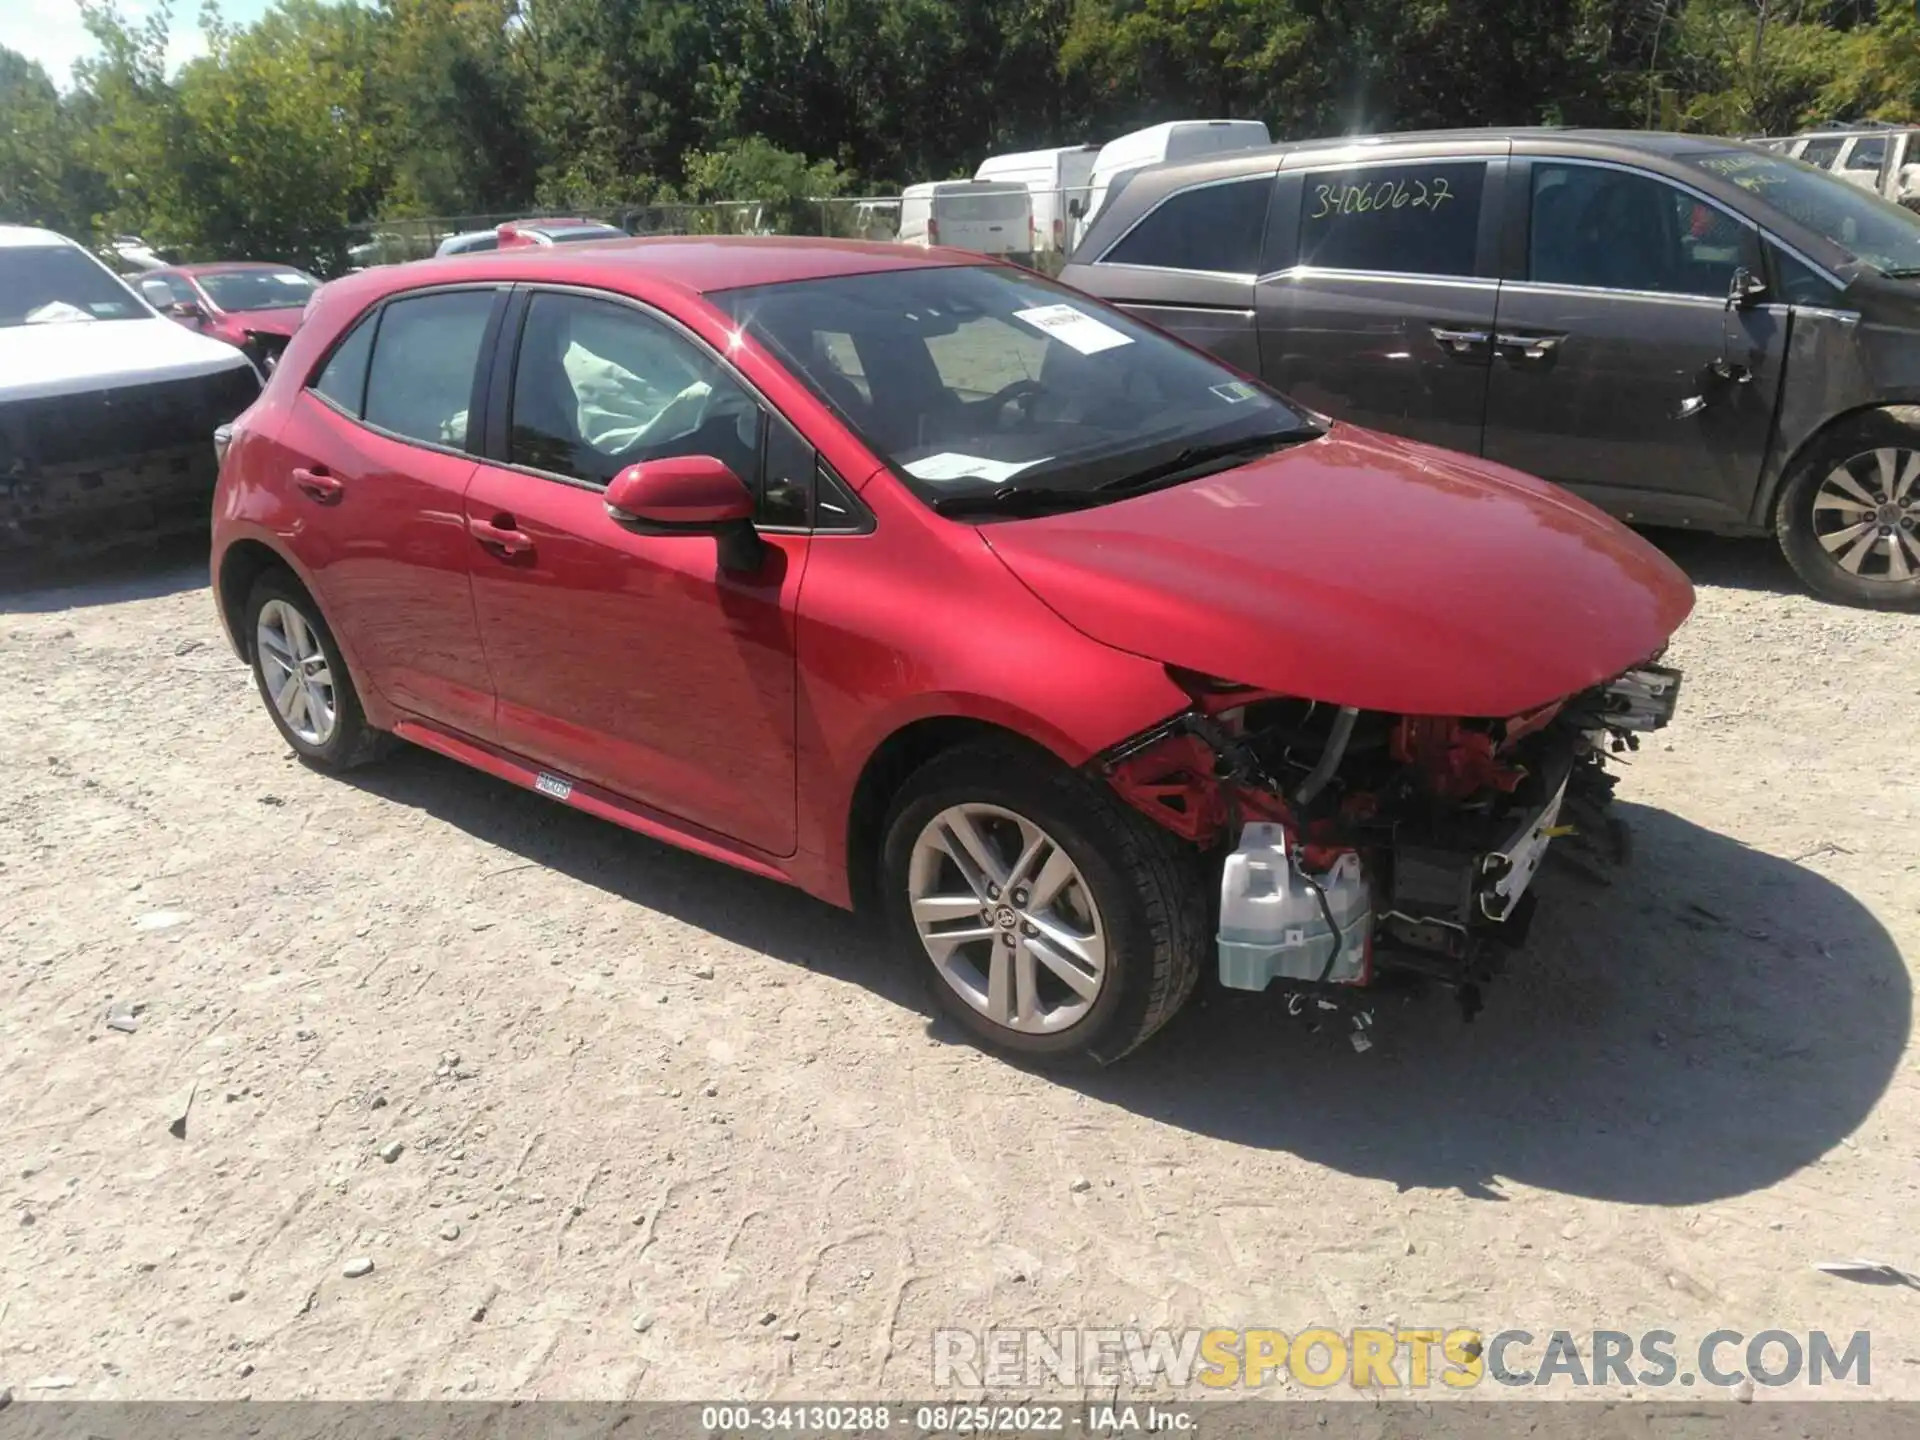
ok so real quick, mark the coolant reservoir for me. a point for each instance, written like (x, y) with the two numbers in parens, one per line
(1272, 926)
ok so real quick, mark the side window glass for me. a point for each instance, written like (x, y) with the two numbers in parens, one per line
(1416, 219)
(1869, 154)
(1213, 227)
(343, 379)
(420, 380)
(834, 507)
(786, 492)
(598, 387)
(1614, 230)
(1821, 153)
(1801, 284)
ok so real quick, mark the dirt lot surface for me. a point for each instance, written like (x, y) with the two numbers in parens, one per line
(664, 1130)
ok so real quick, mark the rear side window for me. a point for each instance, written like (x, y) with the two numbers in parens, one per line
(1213, 227)
(343, 379)
(1416, 219)
(420, 381)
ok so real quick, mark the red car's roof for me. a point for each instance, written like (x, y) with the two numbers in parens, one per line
(697, 263)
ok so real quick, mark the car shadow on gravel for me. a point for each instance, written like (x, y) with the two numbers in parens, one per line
(1737, 564)
(1715, 1020)
(759, 914)
(33, 586)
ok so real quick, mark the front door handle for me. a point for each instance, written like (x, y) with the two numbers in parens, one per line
(499, 534)
(1465, 344)
(1527, 347)
(317, 485)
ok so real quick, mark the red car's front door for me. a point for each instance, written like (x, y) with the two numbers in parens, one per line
(634, 662)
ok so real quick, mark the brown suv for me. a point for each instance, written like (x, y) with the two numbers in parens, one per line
(1686, 330)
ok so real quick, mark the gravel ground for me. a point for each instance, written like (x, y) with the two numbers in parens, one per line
(597, 1119)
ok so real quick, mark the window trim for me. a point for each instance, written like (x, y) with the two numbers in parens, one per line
(504, 361)
(1486, 234)
(1269, 178)
(375, 315)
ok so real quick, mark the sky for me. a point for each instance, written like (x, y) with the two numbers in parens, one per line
(50, 30)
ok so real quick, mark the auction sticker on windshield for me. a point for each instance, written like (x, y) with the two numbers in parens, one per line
(1073, 327)
(948, 465)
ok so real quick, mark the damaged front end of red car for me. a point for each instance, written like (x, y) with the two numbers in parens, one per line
(1354, 846)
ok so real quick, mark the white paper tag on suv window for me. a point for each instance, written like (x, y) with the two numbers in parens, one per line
(1073, 327)
(948, 465)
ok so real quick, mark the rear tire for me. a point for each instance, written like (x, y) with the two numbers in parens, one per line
(303, 680)
(1077, 957)
(1848, 524)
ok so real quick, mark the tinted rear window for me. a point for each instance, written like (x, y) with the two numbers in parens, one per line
(1415, 219)
(1214, 227)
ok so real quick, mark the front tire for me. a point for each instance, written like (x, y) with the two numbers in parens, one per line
(1047, 918)
(303, 680)
(1849, 519)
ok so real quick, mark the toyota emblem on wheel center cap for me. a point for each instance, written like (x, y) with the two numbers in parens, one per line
(1005, 917)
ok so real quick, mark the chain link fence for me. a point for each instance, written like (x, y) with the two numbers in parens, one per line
(1035, 228)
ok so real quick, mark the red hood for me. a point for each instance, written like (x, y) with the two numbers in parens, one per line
(1362, 570)
(280, 321)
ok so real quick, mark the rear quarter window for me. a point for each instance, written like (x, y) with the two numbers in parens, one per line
(1414, 219)
(1212, 227)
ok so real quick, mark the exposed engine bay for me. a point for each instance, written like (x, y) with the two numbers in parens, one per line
(1353, 845)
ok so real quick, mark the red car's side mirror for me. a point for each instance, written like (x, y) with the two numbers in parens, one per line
(688, 495)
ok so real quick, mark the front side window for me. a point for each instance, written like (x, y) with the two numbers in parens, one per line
(981, 385)
(1213, 227)
(58, 284)
(425, 352)
(1415, 219)
(1601, 228)
(599, 386)
(1800, 284)
(1884, 235)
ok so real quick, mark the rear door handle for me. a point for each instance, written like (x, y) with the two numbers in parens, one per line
(499, 534)
(1463, 343)
(317, 485)
(1527, 347)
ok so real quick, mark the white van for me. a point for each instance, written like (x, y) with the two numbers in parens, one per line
(1175, 140)
(992, 217)
(1057, 179)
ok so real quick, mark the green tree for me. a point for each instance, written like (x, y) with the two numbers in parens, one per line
(43, 180)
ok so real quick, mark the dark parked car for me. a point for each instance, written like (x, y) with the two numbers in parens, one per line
(1686, 330)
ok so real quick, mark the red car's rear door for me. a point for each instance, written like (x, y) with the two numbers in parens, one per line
(377, 477)
(636, 662)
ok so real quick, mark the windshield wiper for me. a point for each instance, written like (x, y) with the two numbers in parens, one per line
(1904, 272)
(1195, 457)
(1016, 500)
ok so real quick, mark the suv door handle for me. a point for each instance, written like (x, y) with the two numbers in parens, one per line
(317, 485)
(1462, 343)
(499, 534)
(1530, 347)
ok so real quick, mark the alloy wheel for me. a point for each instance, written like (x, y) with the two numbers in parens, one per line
(1007, 918)
(1866, 514)
(296, 672)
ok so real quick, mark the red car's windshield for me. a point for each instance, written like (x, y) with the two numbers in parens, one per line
(963, 378)
(257, 289)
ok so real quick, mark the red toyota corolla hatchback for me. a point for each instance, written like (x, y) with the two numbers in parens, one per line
(921, 581)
